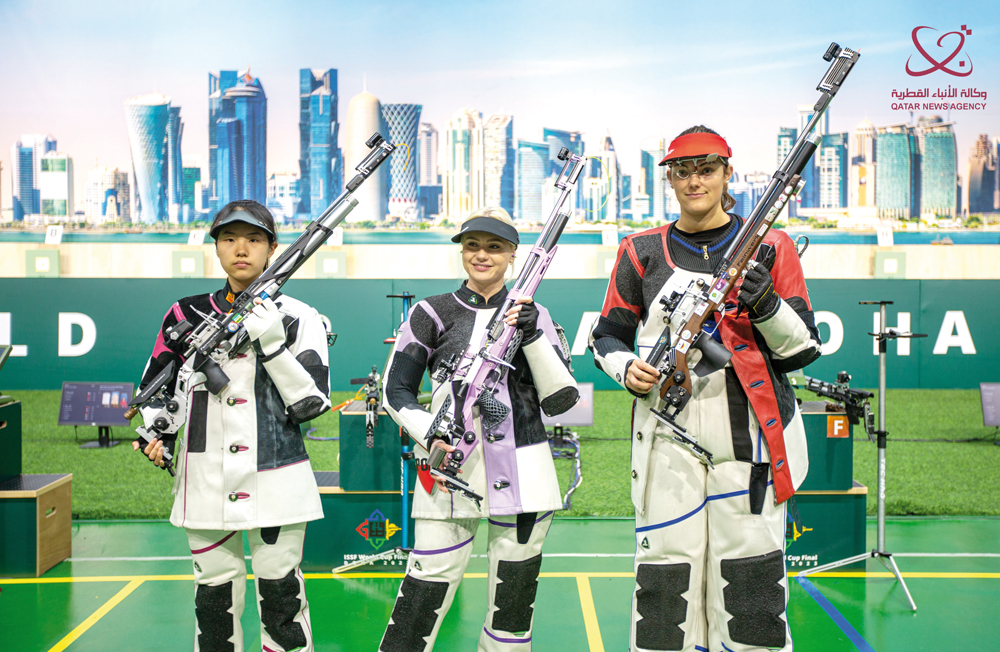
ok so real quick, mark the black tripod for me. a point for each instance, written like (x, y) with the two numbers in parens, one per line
(880, 553)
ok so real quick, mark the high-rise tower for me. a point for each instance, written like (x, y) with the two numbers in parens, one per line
(897, 181)
(862, 149)
(532, 172)
(498, 162)
(427, 155)
(402, 122)
(364, 118)
(463, 164)
(237, 137)
(175, 167)
(938, 168)
(26, 156)
(146, 118)
(320, 162)
(981, 176)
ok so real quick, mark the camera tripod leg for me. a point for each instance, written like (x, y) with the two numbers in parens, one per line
(890, 564)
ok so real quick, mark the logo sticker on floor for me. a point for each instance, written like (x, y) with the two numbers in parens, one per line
(377, 529)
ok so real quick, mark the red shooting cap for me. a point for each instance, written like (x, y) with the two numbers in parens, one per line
(697, 145)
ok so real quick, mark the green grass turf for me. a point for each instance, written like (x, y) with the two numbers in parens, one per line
(923, 478)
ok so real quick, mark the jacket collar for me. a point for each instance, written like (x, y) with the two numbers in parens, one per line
(476, 300)
(224, 298)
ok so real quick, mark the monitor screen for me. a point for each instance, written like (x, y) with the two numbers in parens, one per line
(581, 414)
(94, 404)
(989, 393)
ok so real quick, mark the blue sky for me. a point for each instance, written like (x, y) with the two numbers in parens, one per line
(634, 69)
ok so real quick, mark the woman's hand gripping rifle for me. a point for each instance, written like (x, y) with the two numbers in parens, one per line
(473, 379)
(220, 336)
(688, 311)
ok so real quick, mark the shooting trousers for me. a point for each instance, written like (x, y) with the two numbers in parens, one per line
(435, 569)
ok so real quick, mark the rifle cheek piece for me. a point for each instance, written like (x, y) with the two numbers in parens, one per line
(215, 378)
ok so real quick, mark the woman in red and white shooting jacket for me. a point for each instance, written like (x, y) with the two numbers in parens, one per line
(709, 562)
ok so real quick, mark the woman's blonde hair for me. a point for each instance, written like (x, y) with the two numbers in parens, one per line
(496, 212)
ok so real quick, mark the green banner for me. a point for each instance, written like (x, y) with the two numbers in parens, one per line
(103, 330)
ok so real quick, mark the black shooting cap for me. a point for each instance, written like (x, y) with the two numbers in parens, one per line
(244, 210)
(489, 225)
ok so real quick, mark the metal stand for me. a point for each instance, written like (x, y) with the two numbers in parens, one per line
(103, 439)
(880, 553)
(407, 447)
(565, 445)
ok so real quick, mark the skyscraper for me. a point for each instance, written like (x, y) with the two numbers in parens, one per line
(463, 164)
(364, 118)
(192, 177)
(603, 198)
(26, 156)
(217, 87)
(833, 170)
(402, 122)
(106, 196)
(175, 167)
(897, 182)
(321, 174)
(427, 155)
(786, 140)
(573, 141)
(981, 176)
(651, 183)
(238, 146)
(938, 169)
(532, 171)
(862, 150)
(283, 196)
(810, 195)
(146, 117)
(499, 160)
(55, 187)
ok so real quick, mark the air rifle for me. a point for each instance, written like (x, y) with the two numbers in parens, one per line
(855, 401)
(219, 336)
(688, 311)
(472, 379)
(373, 402)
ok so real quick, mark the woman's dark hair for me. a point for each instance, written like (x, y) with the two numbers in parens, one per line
(728, 201)
(259, 213)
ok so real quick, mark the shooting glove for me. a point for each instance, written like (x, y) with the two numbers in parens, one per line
(265, 327)
(527, 321)
(757, 293)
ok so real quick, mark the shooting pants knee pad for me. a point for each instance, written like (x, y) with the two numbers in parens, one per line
(220, 589)
(668, 604)
(281, 592)
(515, 557)
(747, 588)
(434, 571)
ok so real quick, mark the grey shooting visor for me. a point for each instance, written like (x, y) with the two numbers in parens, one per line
(489, 225)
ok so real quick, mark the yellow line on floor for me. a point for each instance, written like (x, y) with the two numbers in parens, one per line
(589, 614)
(94, 617)
(918, 575)
(473, 576)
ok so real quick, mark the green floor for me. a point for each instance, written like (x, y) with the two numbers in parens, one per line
(128, 587)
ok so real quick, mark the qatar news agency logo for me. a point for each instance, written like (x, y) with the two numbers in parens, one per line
(944, 56)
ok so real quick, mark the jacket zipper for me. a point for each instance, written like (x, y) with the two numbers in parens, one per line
(705, 249)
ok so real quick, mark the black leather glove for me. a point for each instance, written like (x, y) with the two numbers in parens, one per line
(527, 321)
(757, 293)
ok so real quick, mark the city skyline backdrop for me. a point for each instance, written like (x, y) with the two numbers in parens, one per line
(743, 76)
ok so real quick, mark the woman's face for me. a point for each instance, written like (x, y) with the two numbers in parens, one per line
(486, 257)
(243, 250)
(699, 185)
